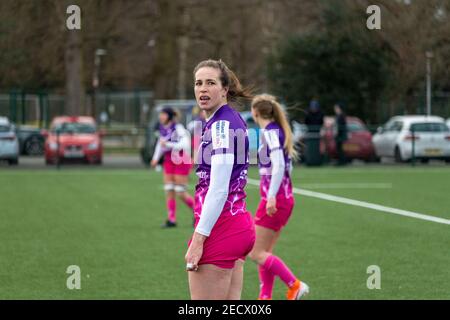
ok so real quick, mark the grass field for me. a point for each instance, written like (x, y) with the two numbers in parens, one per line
(108, 223)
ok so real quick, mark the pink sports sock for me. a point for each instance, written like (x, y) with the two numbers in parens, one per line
(172, 208)
(189, 201)
(266, 279)
(277, 267)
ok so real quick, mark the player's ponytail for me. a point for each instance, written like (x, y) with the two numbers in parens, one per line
(268, 108)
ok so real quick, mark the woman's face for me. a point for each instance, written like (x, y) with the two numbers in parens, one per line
(163, 118)
(209, 92)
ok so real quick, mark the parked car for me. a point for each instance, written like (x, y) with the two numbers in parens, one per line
(31, 140)
(73, 138)
(9, 144)
(428, 136)
(359, 140)
(448, 122)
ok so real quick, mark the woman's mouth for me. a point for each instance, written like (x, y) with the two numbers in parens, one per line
(204, 100)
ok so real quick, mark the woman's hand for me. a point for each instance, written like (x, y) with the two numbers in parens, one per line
(195, 252)
(162, 142)
(271, 206)
(153, 163)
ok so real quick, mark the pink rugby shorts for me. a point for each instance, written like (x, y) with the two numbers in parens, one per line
(281, 216)
(182, 169)
(231, 238)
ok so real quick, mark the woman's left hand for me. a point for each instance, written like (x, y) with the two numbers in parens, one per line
(162, 142)
(195, 252)
(271, 206)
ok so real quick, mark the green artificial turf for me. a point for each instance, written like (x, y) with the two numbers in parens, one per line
(107, 222)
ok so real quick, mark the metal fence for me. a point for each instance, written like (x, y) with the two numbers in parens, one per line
(129, 109)
(440, 106)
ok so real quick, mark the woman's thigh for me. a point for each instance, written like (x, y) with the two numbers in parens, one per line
(209, 282)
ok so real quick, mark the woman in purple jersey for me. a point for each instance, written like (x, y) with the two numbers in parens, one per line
(277, 200)
(224, 231)
(174, 145)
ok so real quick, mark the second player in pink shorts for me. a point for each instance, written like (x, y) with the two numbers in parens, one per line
(277, 199)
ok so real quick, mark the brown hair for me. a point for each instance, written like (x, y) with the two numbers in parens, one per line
(228, 79)
(268, 107)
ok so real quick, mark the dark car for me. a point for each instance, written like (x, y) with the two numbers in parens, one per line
(31, 140)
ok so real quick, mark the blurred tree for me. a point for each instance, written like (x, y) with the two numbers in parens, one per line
(155, 44)
(408, 30)
(332, 65)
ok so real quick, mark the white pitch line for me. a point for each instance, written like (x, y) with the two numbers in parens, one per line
(364, 204)
(348, 185)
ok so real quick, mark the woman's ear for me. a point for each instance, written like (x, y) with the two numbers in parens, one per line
(225, 89)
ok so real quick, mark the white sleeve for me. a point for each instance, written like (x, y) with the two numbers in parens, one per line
(277, 160)
(221, 168)
(158, 152)
(272, 138)
(191, 126)
(184, 142)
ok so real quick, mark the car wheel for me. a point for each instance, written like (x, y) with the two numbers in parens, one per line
(424, 160)
(398, 155)
(373, 158)
(13, 162)
(447, 160)
(34, 146)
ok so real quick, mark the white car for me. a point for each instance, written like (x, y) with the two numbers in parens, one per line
(9, 144)
(448, 122)
(425, 137)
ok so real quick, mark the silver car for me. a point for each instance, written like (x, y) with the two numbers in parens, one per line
(9, 144)
(405, 137)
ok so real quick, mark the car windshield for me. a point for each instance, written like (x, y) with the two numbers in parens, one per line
(429, 127)
(74, 127)
(355, 126)
(5, 128)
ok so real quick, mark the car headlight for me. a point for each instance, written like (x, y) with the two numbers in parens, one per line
(93, 146)
(53, 146)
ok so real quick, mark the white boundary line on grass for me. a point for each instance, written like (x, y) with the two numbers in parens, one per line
(348, 185)
(364, 204)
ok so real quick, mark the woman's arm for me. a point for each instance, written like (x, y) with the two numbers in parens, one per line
(184, 141)
(277, 160)
(221, 168)
(158, 152)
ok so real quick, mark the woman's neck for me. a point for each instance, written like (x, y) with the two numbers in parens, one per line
(263, 123)
(210, 113)
(168, 124)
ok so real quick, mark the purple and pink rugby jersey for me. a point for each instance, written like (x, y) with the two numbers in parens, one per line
(176, 162)
(273, 139)
(233, 235)
(224, 133)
